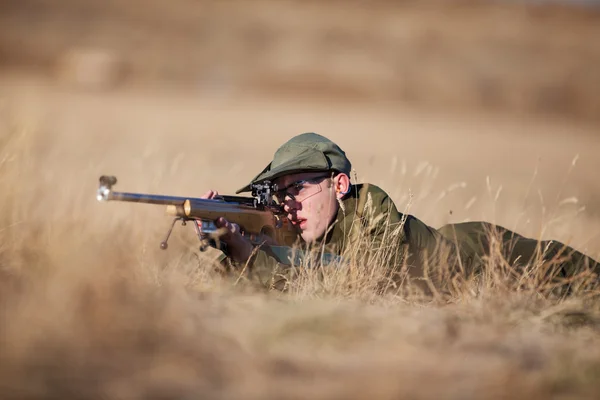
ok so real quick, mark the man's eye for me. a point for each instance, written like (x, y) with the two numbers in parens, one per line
(298, 187)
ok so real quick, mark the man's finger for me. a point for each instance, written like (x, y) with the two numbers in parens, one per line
(224, 228)
(221, 222)
(232, 228)
(211, 194)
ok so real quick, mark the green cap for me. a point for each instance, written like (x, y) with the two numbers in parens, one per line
(307, 152)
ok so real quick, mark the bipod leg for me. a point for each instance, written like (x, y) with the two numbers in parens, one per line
(164, 244)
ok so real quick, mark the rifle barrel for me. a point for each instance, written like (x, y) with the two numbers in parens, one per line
(147, 198)
(173, 200)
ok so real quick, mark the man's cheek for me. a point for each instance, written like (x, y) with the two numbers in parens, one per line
(321, 210)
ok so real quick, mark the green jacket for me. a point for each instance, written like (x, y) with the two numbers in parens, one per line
(367, 220)
(369, 229)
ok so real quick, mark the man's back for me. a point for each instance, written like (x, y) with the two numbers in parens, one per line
(486, 242)
(466, 248)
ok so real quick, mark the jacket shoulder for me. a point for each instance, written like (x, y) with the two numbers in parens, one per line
(368, 194)
(370, 188)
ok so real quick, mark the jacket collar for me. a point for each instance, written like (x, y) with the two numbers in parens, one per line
(339, 231)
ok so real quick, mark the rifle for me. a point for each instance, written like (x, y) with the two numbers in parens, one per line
(260, 218)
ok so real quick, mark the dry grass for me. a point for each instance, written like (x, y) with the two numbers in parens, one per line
(92, 309)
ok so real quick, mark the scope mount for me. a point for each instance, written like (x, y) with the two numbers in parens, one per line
(263, 193)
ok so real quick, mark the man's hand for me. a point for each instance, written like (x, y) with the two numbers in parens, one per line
(239, 247)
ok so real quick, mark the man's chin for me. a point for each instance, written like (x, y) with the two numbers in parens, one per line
(310, 237)
(307, 237)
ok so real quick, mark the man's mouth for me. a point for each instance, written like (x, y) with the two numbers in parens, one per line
(300, 222)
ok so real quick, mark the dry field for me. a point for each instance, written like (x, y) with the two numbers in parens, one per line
(90, 307)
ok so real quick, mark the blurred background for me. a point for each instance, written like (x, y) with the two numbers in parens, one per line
(460, 110)
(466, 109)
(537, 57)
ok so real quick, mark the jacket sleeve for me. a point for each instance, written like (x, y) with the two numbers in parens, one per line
(274, 267)
(269, 267)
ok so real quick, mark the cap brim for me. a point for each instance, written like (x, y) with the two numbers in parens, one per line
(308, 161)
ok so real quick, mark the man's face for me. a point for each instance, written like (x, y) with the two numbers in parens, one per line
(310, 201)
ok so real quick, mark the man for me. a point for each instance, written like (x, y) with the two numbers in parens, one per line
(312, 177)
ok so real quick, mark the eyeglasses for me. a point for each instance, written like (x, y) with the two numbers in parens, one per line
(300, 190)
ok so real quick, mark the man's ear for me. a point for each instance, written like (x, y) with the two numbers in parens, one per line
(341, 183)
